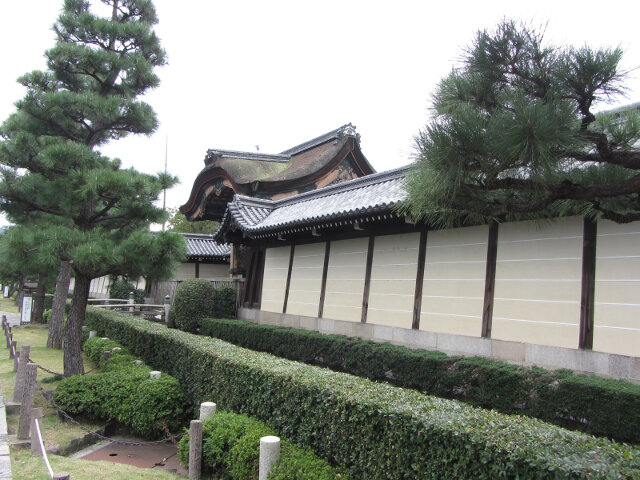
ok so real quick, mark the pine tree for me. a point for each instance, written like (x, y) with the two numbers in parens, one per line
(51, 162)
(514, 136)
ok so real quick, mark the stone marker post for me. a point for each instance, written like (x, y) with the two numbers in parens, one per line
(92, 333)
(207, 409)
(12, 349)
(22, 365)
(27, 401)
(16, 361)
(106, 355)
(167, 307)
(269, 455)
(131, 301)
(155, 374)
(36, 414)
(195, 449)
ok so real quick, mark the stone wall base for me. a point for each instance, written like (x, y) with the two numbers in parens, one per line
(583, 361)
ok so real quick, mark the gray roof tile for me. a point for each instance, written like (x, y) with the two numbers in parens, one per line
(205, 247)
(356, 198)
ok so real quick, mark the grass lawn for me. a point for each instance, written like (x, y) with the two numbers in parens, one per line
(54, 430)
(8, 305)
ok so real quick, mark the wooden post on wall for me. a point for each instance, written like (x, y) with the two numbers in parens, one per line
(589, 238)
(286, 293)
(367, 280)
(417, 300)
(490, 281)
(323, 287)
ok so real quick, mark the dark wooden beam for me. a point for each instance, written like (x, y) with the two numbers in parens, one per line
(417, 299)
(197, 269)
(589, 240)
(490, 281)
(286, 293)
(367, 279)
(323, 287)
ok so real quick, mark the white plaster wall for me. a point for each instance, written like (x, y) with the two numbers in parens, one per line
(617, 289)
(538, 282)
(345, 279)
(306, 279)
(454, 281)
(393, 280)
(185, 271)
(274, 283)
(214, 270)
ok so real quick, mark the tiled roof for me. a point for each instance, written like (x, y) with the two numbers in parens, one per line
(355, 200)
(205, 247)
(347, 129)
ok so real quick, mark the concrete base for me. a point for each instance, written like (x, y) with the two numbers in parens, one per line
(583, 361)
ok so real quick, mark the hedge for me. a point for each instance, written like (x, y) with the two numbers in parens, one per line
(231, 446)
(193, 301)
(379, 431)
(600, 406)
(124, 392)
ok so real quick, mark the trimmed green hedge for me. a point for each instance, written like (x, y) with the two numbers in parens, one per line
(231, 447)
(379, 431)
(604, 407)
(125, 393)
(193, 301)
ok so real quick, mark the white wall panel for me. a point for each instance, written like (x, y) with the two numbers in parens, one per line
(454, 278)
(345, 279)
(538, 282)
(276, 268)
(393, 280)
(306, 279)
(617, 289)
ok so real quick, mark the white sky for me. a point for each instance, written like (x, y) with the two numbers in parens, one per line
(277, 73)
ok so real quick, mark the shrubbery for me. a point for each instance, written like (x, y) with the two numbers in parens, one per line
(224, 302)
(121, 288)
(231, 448)
(596, 405)
(125, 393)
(193, 301)
(379, 431)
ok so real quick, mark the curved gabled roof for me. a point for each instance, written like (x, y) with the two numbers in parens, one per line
(205, 247)
(354, 200)
(255, 174)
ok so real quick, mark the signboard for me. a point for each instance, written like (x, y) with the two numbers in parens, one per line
(27, 303)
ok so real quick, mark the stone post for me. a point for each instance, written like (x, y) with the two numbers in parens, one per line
(27, 401)
(106, 356)
(12, 349)
(207, 409)
(36, 414)
(22, 365)
(131, 302)
(92, 333)
(155, 374)
(195, 449)
(269, 455)
(167, 307)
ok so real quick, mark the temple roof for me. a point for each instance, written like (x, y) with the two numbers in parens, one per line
(332, 157)
(204, 247)
(358, 200)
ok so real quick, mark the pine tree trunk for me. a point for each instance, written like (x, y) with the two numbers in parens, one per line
(38, 300)
(54, 340)
(20, 294)
(73, 328)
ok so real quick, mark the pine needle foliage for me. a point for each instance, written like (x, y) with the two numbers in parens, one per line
(514, 135)
(49, 157)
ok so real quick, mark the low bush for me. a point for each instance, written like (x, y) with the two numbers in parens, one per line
(125, 393)
(378, 430)
(230, 449)
(595, 405)
(121, 289)
(224, 302)
(95, 347)
(193, 301)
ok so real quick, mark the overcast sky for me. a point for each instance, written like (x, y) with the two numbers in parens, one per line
(278, 73)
